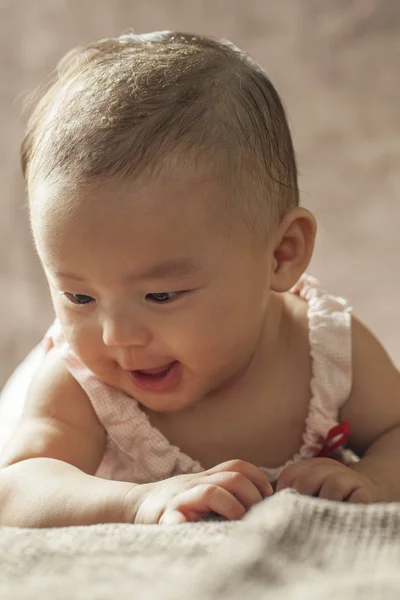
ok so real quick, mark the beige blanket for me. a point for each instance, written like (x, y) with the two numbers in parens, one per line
(290, 547)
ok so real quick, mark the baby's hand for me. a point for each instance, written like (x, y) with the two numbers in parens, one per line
(329, 479)
(229, 489)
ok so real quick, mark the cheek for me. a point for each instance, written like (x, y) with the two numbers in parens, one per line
(214, 332)
(84, 341)
(82, 334)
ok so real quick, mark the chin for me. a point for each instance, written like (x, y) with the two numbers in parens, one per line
(166, 405)
(168, 402)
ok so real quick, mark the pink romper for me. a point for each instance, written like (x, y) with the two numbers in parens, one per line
(137, 452)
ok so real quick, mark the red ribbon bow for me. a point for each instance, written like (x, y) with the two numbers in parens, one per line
(337, 437)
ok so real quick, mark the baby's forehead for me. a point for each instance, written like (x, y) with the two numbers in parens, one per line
(94, 227)
(189, 197)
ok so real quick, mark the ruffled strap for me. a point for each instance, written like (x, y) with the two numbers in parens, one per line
(329, 322)
(329, 319)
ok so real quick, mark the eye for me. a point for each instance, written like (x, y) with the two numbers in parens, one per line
(78, 298)
(163, 297)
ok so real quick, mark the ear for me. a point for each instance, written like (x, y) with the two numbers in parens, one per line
(293, 248)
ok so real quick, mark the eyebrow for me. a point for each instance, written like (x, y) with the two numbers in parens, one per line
(175, 268)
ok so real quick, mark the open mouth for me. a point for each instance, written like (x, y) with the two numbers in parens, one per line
(159, 379)
(159, 371)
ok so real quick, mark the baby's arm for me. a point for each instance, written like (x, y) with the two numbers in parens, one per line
(373, 412)
(47, 470)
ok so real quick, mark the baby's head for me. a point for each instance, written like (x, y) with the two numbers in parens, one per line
(154, 149)
(123, 107)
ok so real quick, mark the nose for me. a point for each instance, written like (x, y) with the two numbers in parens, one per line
(123, 329)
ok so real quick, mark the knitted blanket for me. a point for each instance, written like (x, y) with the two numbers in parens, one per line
(288, 547)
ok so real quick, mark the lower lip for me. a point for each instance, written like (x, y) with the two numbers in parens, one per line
(157, 383)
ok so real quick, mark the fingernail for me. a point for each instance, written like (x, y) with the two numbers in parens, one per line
(268, 491)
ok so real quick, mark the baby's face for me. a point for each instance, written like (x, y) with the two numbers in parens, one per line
(154, 296)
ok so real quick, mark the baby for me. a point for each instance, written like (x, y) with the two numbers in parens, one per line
(193, 362)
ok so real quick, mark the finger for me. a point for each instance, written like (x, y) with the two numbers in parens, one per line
(338, 487)
(360, 496)
(303, 470)
(205, 498)
(309, 483)
(239, 486)
(288, 475)
(253, 473)
(172, 517)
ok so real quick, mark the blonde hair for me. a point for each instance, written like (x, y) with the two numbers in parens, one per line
(122, 105)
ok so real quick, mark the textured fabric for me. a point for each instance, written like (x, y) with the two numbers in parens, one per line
(137, 452)
(287, 548)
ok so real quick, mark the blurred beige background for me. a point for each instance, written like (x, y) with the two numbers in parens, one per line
(336, 65)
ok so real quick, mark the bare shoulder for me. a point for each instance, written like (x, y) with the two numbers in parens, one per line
(58, 421)
(55, 393)
(374, 403)
(373, 370)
